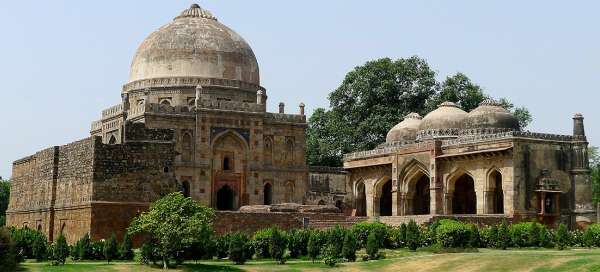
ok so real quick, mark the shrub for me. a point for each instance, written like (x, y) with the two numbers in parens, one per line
(238, 244)
(40, 248)
(60, 251)
(148, 253)
(402, 236)
(335, 237)
(412, 235)
(8, 255)
(362, 231)
(260, 242)
(330, 256)
(489, 236)
(84, 247)
(592, 236)
(23, 240)
(546, 238)
(534, 234)
(373, 246)
(452, 234)
(110, 248)
(349, 247)
(222, 246)
(97, 250)
(314, 245)
(297, 242)
(562, 237)
(277, 245)
(474, 238)
(503, 240)
(126, 248)
(577, 238)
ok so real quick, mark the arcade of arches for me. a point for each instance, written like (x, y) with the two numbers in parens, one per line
(461, 193)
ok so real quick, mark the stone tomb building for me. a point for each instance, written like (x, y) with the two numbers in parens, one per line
(193, 118)
(477, 164)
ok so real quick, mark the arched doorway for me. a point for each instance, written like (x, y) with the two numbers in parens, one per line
(268, 194)
(225, 199)
(185, 189)
(464, 199)
(385, 200)
(361, 200)
(497, 194)
(421, 197)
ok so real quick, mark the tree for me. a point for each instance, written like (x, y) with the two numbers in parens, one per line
(60, 251)
(110, 248)
(4, 197)
(126, 248)
(349, 247)
(8, 255)
(175, 222)
(374, 97)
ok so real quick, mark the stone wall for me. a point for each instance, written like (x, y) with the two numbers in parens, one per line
(226, 222)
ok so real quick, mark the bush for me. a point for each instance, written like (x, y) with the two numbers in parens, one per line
(261, 241)
(222, 246)
(330, 256)
(453, 234)
(526, 234)
(335, 237)
(110, 248)
(8, 255)
(97, 250)
(277, 245)
(23, 240)
(60, 251)
(503, 239)
(489, 236)
(474, 238)
(298, 242)
(412, 235)
(148, 253)
(349, 247)
(362, 231)
(373, 246)
(238, 245)
(126, 248)
(591, 236)
(84, 248)
(40, 248)
(314, 245)
(562, 237)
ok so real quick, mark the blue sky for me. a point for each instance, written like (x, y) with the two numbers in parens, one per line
(62, 62)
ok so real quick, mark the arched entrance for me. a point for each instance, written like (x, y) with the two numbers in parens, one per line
(464, 199)
(185, 188)
(361, 200)
(497, 195)
(268, 194)
(385, 199)
(225, 199)
(421, 197)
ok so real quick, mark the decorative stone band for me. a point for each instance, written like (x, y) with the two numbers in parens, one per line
(386, 150)
(437, 133)
(478, 131)
(190, 82)
(96, 126)
(231, 106)
(113, 111)
(285, 118)
(327, 169)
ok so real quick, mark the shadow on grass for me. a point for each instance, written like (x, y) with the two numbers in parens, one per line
(210, 267)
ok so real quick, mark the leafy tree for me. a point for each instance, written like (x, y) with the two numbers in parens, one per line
(372, 247)
(374, 97)
(175, 222)
(238, 244)
(148, 253)
(278, 245)
(4, 197)
(126, 248)
(349, 247)
(412, 235)
(562, 237)
(8, 255)
(111, 249)
(60, 251)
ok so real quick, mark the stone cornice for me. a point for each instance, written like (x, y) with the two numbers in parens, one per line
(168, 82)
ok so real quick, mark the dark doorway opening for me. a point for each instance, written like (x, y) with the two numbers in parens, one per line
(385, 202)
(225, 199)
(361, 200)
(267, 194)
(185, 189)
(498, 194)
(464, 200)
(421, 199)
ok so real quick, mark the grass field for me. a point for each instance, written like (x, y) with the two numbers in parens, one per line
(397, 260)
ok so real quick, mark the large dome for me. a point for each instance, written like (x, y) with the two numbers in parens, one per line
(195, 45)
(447, 116)
(406, 130)
(491, 115)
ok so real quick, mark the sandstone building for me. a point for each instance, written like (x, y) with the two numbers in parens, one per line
(474, 164)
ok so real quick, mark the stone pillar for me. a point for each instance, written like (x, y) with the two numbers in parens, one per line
(302, 108)
(436, 195)
(488, 199)
(261, 97)
(448, 203)
(583, 210)
(281, 107)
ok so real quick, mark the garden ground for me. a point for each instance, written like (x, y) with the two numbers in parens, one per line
(396, 260)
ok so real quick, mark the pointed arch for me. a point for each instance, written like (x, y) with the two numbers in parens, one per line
(411, 173)
(383, 196)
(453, 177)
(267, 193)
(360, 198)
(232, 133)
(494, 193)
(112, 140)
(268, 150)
(186, 146)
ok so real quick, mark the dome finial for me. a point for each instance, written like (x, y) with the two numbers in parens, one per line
(195, 11)
(194, 5)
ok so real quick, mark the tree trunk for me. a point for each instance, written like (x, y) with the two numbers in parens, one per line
(165, 266)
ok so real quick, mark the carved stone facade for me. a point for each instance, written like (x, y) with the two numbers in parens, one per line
(451, 164)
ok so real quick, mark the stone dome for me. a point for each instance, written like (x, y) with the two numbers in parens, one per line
(447, 116)
(406, 130)
(195, 45)
(491, 115)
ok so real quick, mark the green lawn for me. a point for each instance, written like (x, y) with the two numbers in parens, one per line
(396, 260)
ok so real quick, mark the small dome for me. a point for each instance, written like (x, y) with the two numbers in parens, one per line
(447, 116)
(490, 114)
(406, 130)
(195, 45)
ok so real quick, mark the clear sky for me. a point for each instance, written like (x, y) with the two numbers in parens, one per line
(62, 62)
